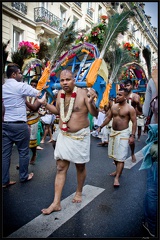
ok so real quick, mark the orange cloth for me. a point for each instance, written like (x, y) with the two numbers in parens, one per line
(44, 78)
(105, 98)
(93, 72)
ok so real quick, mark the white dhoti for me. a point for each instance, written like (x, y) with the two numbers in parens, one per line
(118, 145)
(104, 134)
(56, 132)
(140, 121)
(73, 147)
(48, 118)
(130, 126)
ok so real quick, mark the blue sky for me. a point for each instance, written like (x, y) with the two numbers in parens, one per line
(151, 9)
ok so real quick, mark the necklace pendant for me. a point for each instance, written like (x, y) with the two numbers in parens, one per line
(64, 127)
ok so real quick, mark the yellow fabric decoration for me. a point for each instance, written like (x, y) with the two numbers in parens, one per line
(117, 88)
(93, 72)
(105, 98)
(44, 78)
(103, 71)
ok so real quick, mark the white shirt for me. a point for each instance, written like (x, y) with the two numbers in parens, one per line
(99, 120)
(14, 96)
(150, 93)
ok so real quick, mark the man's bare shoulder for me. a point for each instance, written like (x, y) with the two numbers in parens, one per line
(85, 90)
(131, 108)
(82, 91)
(135, 96)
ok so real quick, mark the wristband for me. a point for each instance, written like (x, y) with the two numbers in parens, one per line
(132, 135)
(100, 127)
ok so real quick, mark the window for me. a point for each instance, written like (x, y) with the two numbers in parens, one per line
(76, 20)
(17, 37)
(99, 13)
(44, 4)
(20, 6)
(89, 5)
(99, 10)
(63, 16)
(89, 9)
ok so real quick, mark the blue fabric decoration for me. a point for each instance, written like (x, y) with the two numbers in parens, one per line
(152, 137)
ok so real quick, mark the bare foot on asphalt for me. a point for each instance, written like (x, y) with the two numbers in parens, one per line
(30, 176)
(9, 184)
(39, 148)
(77, 198)
(113, 174)
(116, 183)
(133, 158)
(52, 208)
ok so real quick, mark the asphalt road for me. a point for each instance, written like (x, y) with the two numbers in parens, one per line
(106, 212)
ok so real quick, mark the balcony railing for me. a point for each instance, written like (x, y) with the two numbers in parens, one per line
(20, 7)
(43, 15)
(78, 4)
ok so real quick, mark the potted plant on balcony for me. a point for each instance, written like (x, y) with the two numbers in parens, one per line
(54, 23)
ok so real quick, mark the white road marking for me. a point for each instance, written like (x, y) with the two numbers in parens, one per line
(44, 225)
(129, 164)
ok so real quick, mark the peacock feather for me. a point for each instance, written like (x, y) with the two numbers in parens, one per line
(117, 24)
(119, 58)
(63, 42)
(20, 55)
(147, 56)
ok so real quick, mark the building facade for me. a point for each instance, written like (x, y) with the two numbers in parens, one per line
(39, 21)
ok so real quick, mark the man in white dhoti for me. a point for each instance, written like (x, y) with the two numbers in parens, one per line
(73, 142)
(134, 100)
(140, 124)
(120, 138)
(106, 130)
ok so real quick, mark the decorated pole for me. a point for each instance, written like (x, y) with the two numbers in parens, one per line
(85, 61)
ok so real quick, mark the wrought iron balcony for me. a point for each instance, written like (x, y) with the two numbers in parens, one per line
(20, 7)
(43, 15)
(78, 4)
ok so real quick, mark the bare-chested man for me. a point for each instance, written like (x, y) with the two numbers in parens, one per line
(73, 141)
(120, 138)
(134, 100)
